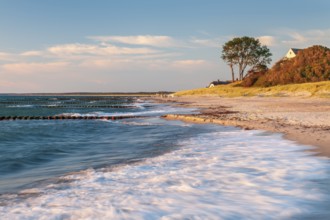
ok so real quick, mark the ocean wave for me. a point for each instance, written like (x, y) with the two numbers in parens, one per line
(220, 175)
(136, 123)
(152, 112)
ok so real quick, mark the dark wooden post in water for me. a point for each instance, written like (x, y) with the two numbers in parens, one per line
(62, 117)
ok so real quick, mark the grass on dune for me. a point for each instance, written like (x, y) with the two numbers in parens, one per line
(318, 89)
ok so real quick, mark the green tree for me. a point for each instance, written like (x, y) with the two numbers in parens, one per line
(245, 52)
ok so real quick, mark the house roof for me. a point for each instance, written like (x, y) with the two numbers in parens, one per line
(295, 50)
(219, 82)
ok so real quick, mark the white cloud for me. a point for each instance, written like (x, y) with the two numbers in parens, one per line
(71, 49)
(322, 36)
(189, 62)
(109, 64)
(267, 40)
(32, 53)
(125, 64)
(122, 65)
(33, 68)
(90, 49)
(207, 42)
(147, 40)
(6, 56)
(102, 65)
(295, 38)
(163, 55)
(302, 39)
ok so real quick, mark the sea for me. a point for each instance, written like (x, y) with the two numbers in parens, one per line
(146, 167)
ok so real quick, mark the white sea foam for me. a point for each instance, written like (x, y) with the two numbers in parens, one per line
(140, 105)
(151, 112)
(222, 175)
(20, 106)
(137, 123)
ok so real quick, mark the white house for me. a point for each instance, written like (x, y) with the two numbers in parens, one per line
(291, 53)
(215, 83)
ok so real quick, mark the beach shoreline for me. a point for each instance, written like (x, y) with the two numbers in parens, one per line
(300, 119)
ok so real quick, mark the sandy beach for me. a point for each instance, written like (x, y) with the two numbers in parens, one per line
(305, 120)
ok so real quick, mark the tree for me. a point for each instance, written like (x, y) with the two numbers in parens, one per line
(245, 52)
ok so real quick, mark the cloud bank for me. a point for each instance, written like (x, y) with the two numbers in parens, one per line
(133, 63)
(147, 40)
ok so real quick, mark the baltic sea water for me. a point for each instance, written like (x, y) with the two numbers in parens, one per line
(149, 168)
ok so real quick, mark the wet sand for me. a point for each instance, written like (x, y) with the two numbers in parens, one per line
(305, 120)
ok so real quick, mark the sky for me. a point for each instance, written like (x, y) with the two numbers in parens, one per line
(142, 45)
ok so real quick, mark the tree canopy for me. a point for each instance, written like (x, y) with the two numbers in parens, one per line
(244, 52)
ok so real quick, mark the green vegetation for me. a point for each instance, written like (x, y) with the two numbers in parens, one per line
(310, 65)
(245, 52)
(319, 89)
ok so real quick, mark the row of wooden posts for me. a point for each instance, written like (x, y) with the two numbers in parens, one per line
(64, 117)
(85, 106)
(51, 103)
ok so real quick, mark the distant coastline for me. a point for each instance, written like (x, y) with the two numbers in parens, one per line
(90, 94)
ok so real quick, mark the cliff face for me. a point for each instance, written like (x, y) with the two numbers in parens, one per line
(310, 65)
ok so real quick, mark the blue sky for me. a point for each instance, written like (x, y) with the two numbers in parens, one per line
(140, 45)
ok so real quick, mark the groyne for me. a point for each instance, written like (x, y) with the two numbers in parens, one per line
(65, 117)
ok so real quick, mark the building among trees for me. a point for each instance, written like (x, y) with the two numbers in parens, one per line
(292, 53)
(309, 65)
(215, 83)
